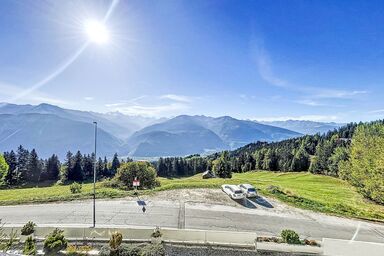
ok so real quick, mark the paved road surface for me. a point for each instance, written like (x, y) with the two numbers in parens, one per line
(180, 214)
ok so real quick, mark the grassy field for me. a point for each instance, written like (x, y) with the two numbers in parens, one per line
(303, 190)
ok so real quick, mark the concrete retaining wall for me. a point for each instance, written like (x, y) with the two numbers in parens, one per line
(351, 248)
(224, 238)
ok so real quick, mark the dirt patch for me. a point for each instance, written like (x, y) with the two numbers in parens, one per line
(199, 195)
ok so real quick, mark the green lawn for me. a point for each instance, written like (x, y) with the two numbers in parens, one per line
(55, 193)
(304, 190)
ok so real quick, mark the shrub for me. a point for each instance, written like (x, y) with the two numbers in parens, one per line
(28, 228)
(74, 250)
(7, 241)
(156, 233)
(104, 251)
(134, 250)
(115, 241)
(144, 171)
(153, 250)
(290, 236)
(75, 188)
(268, 239)
(55, 242)
(29, 246)
(311, 242)
(274, 190)
(130, 250)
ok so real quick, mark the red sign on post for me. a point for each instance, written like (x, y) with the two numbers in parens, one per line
(136, 182)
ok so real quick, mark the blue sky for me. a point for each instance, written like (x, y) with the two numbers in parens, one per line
(265, 60)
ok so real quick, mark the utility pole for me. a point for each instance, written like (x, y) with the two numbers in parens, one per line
(94, 179)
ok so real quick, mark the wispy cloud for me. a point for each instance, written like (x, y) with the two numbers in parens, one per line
(322, 118)
(312, 94)
(309, 102)
(164, 105)
(88, 98)
(264, 65)
(337, 94)
(174, 97)
(377, 111)
(154, 110)
(7, 92)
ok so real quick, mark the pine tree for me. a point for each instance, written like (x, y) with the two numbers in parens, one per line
(11, 178)
(76, 173)
(34, 167)
(115, 164)
(22, 163)
(88, 166)
(100, 167)
(222, 166)
(52, 168)
(300, 162)
(106, 171)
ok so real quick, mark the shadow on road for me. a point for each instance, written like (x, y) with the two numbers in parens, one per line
(261, 201)
(140, 201)
(245, 202)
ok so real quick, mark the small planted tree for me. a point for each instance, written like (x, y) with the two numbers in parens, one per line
(156, 233)
(29, 246)
(290, 237)
(75, 188)
(115, 242)
(55, 242)
(28, 228)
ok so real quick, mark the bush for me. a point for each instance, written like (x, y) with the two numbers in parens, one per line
(156, 233)
(144, 171)
(75, 188)
(74, 250)
(55, 242)
(311, 242)
(29, 246)
(290, 237)
(104, 251)
(130, 250)
(115, 241)
(153, 250)
(274, 190)
(28, 228)
(7, 241)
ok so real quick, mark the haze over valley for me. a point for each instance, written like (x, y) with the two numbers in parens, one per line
(51, 129)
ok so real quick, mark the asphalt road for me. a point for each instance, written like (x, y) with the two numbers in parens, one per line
(181, 214)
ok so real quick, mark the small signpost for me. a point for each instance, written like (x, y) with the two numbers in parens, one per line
(135, 184)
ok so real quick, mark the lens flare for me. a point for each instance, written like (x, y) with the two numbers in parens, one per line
(97, 31)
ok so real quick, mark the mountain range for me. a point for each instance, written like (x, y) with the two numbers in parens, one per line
(51, 129)
(306, 127)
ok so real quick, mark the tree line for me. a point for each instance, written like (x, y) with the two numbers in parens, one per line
(181, 166)
(25, 167)
(354, 152)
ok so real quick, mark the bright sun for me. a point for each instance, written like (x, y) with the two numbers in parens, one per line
(97, 32)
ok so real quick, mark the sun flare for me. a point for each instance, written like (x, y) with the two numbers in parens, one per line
(96, 31)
